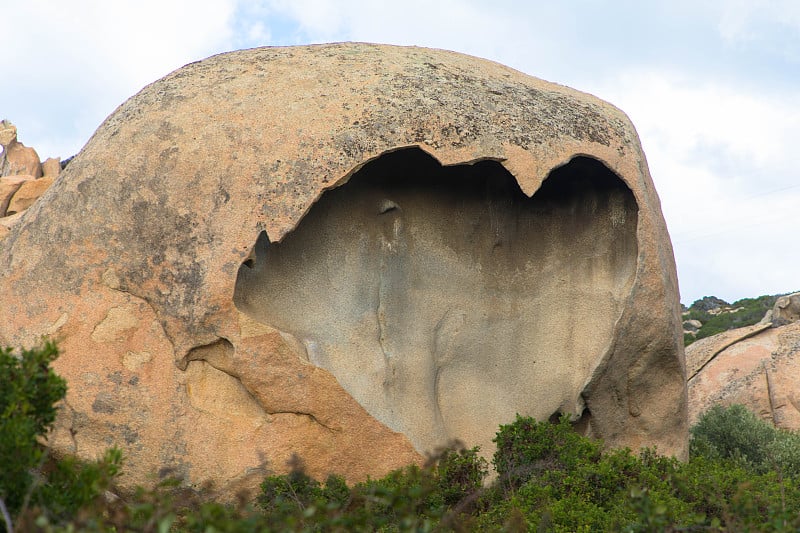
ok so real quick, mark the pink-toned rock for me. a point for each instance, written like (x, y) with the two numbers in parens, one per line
(9, 185)
(352, 252)
(756, 366)
(6, 223)
(706, 349)
(19, 159)
(51, 167)
(28, 192)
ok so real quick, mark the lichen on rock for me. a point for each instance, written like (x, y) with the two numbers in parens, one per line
(367, 250)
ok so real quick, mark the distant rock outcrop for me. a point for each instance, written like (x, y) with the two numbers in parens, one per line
(787, 309)
(710, 315)
(23, 178)
(710, 304)
(355, 253)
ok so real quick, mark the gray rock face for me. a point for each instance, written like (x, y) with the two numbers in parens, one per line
(428, 291)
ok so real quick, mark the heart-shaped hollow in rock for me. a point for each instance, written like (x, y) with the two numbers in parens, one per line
(444, 299)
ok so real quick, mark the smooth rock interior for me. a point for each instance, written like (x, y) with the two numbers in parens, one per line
(445, 300)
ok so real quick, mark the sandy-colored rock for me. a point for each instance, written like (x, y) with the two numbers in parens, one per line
(756, 367)
(20, 160)
(9, 185)
(28, 192)
(51, 167)
(8, 133)
(353, 252)
(691, 326)
(6, 223)
(786, 309)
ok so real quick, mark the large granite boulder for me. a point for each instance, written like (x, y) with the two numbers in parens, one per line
(355, 253)
(756, 366)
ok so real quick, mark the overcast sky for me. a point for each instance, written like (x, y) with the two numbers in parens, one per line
(713, 87)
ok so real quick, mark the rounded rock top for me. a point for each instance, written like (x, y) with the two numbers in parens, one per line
(337, 248)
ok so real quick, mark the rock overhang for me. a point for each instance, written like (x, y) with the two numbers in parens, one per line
(420, 287)
(179, 182)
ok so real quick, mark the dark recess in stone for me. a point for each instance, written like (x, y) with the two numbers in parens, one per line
(437, 295)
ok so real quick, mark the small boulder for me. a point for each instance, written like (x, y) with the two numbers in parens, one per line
(20, 159)
(9, 185)
(691, 326)
(786, 309)
(51, 167)
(8, 133)
(28, 192)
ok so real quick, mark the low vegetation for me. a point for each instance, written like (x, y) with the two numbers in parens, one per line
(743, 475)
(717, 315)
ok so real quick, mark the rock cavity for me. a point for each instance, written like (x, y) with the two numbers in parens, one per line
(444, 299)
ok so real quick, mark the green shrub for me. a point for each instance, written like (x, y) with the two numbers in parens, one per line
(459, 474)
(70, 485)
(296, 499)
(32, 484)
(28, 394)
(527, 448)
(733, 433)
(738, 434)
(784, 453)
(742, 476)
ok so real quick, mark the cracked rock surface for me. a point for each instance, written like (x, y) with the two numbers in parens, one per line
(351, 252)
(756, 366)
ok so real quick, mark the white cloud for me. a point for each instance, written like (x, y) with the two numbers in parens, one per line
(467, 26)
(773, 25)
(692, 114)
(73, 62)
(743, 20)
(724, 165)
(322, 18)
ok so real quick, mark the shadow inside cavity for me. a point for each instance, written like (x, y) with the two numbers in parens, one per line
(443, 299)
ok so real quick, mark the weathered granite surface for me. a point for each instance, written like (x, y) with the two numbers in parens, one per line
(353, 252)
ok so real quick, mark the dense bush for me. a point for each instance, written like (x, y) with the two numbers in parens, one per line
(31, 483)
(736, 434)
(527, 449)
(743, 475)
(28, 393)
